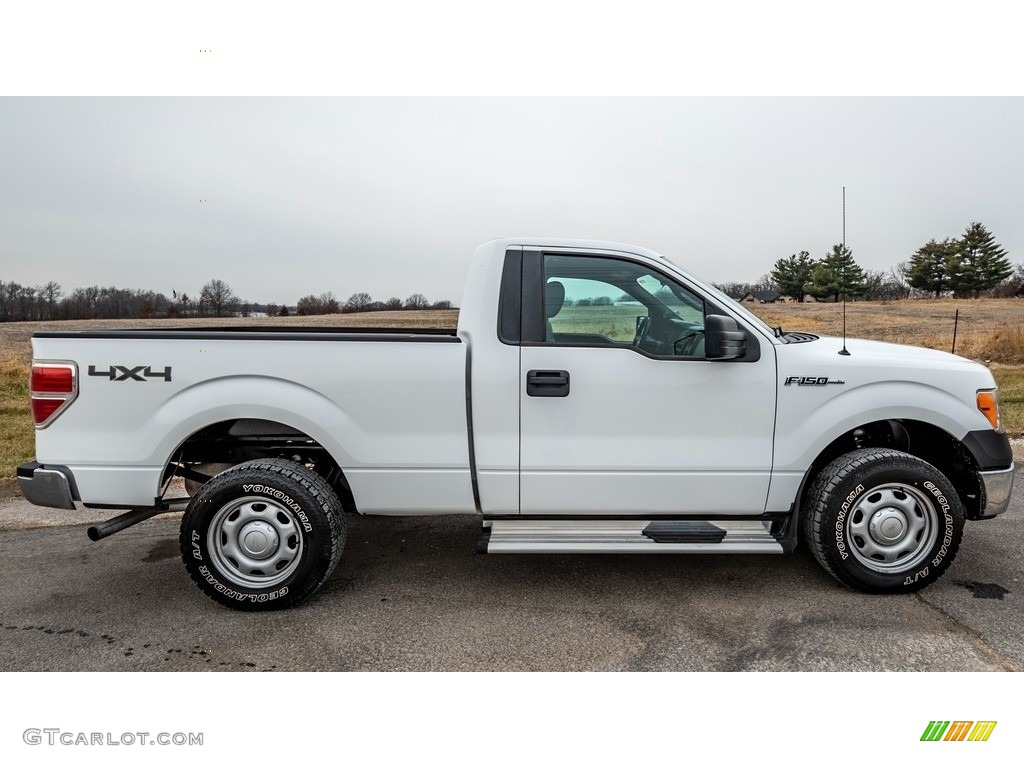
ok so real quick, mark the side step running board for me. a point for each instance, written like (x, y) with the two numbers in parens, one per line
(727, 537)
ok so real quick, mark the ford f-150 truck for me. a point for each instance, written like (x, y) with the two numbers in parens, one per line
(595, 398)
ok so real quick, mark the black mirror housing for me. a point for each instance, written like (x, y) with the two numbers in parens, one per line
(723, 338)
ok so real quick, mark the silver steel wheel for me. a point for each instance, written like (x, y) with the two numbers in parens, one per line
(892, 528)
(255, 541)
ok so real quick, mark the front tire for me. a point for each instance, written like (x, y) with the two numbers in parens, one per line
(262, 535)
(883, 521)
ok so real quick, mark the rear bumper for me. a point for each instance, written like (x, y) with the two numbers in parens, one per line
(47, 486)
(998, 486)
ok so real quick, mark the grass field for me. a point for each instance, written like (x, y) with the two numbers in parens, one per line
(990, 330)
(17, 434)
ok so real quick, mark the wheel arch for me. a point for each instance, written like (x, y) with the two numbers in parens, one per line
(230, 442)
(917, 438)
(265, 407)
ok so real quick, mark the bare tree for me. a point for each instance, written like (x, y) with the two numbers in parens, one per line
(51, 293)
(899, 281)
(309, 305)
(358, 302)
(417, 301)
(329, 304)
(218, 297)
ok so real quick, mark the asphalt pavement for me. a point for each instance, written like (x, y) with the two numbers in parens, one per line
(411, 594)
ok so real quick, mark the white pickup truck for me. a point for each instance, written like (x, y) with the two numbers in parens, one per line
(595, 398)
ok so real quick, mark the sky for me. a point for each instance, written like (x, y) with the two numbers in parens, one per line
(286, 196)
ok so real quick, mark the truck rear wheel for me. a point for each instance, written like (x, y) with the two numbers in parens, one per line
(883, 521)
(263, 535)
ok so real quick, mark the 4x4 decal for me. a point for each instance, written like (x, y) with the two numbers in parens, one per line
(135, 373)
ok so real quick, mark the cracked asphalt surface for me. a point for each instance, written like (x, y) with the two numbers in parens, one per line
(411, 594)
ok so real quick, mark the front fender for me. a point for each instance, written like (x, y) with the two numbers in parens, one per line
(809, 421)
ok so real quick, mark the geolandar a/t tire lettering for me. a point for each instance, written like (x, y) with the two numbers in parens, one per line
(262, 535)
(883, 521)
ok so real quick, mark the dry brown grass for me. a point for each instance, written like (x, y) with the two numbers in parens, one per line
(988, 329)
(17, 434)
(1011, 395)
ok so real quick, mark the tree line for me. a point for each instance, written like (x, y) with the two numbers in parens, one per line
(965, 267)
(327, 304)
(215, 299)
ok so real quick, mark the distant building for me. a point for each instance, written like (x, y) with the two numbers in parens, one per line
(766, 297)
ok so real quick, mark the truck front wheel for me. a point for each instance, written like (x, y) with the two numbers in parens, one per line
(263, 535)
(883, 521)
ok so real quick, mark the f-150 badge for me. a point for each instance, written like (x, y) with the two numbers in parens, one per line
(133, 373)
(812, 381)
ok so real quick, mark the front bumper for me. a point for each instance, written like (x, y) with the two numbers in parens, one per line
(47, 486)
(998, 486)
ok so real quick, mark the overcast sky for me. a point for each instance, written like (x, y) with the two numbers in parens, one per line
(390, 195)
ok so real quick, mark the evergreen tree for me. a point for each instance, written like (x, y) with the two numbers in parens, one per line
(837, 274)
(927, 269)
(793, 275)
(978, 264)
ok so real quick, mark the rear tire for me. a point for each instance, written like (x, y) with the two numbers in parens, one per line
(883, 521)
(263, 535)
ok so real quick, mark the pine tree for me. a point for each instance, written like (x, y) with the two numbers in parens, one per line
(978, 264)
(927, 269)
(793, 275)
(837, 274)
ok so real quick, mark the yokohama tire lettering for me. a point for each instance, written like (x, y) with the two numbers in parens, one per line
(284, 498)
(841, 520)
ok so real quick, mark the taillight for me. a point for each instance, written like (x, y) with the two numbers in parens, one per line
(52, 388)
(53, 379)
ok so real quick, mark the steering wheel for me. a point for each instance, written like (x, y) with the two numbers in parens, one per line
(687, 345)
(643, 325)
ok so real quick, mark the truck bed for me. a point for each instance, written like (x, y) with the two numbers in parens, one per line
(388, 403)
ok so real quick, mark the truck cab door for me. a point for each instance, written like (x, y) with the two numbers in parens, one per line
(621, 411)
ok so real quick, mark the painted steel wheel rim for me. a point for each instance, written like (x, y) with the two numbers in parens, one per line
(255, 541)
(892, 528)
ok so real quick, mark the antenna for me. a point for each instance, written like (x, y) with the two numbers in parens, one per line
(844, 350)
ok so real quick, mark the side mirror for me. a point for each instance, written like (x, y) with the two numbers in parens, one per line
(723, 338)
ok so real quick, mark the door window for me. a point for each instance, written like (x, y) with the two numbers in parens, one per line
(598, 301)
